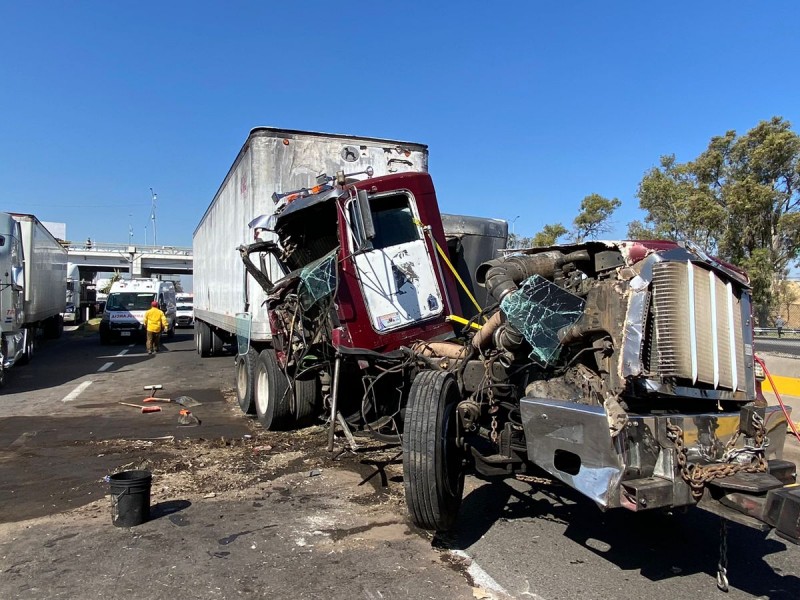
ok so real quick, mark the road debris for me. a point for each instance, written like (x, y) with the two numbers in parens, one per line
(144, 409)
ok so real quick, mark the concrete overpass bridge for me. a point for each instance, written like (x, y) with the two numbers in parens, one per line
(136, 260)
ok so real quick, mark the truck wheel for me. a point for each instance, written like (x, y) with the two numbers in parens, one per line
(245, 380)
(202, 338)
(271, 392)
(216, 343)
(53, 327)
(433, 469)
(306, 394)
(27, 353)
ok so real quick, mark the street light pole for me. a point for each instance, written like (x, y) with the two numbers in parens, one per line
(513, 225)
(153, 198)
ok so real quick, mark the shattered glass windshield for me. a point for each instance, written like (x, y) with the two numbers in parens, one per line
(539, 309)
(317, 280)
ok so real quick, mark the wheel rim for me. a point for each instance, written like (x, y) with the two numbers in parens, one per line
(241, 379)
(262, 392)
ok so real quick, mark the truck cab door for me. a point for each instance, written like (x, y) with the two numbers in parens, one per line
(395, 270)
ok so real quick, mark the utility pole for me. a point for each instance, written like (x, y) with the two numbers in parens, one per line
(153, 198)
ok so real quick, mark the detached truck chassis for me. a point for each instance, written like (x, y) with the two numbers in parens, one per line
(624, 369)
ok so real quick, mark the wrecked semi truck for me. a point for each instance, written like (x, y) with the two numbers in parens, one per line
(624, 369)
(33, 287)
(226, 299)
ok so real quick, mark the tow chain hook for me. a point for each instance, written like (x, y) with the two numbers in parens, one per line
(722, 565)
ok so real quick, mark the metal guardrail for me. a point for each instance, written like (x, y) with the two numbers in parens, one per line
(126, 248)
(774, 331)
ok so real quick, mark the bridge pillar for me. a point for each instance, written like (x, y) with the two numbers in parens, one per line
(136, 266)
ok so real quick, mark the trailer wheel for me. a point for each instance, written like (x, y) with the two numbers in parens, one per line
(245, 380)
(202, 338)
(271, 393)
(216, 343)
(306, 394)
(433, 465)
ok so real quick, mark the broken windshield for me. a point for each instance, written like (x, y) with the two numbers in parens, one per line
(317, 280)
(539, 309)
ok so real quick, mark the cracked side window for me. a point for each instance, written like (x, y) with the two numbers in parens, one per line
(539, 309)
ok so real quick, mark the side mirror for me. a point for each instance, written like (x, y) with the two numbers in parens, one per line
(18, 278)
(365, 215)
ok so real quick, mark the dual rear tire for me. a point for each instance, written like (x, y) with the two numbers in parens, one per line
(277, 405)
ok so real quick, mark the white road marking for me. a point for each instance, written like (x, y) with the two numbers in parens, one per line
(104, 367)
(76, 392)
(482, 578)
(123, 352)
(131, 345)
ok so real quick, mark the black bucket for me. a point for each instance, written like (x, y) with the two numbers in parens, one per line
(130, 497)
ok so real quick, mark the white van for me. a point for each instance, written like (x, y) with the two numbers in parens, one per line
(185, 314)
(127, 302)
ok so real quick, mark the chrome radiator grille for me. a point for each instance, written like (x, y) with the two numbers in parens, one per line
(698, 326)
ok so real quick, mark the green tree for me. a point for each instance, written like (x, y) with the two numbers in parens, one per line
(739, 199)
(549, 235)
(593, 218)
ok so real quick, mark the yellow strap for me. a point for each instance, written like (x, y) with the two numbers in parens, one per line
(463, 321)
(451, 267)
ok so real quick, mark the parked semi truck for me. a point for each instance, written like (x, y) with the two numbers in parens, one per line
(81, 297)
(33, 284)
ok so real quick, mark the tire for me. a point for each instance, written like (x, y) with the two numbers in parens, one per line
(433, 465)
(105, 339)
(245, 381)
(27, 353)
(306, 394)
(271, 393)
(217, 343)
(202, 338)
(53, 327)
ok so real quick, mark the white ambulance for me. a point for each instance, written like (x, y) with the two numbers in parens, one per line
(126, 304)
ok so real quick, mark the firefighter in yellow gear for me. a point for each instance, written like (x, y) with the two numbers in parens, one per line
(155, 321)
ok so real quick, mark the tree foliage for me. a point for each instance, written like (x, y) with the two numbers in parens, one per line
(592, 220)
(594, 217)
(740, 199)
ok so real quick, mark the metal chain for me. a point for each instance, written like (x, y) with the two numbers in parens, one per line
(494, 429)
(722, 565)
(697, 475)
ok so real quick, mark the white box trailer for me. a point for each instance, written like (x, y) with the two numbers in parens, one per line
(45, 271)
(271, 161)
(33, 265)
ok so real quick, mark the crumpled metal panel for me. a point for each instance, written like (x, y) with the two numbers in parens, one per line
(643, 449)
(539, 309)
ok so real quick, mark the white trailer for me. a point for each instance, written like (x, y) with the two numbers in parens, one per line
(33, 268)
(270, 161)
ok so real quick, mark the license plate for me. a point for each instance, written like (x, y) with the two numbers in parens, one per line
(125, 333)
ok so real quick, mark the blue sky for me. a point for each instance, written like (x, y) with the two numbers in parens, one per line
(527, 107)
